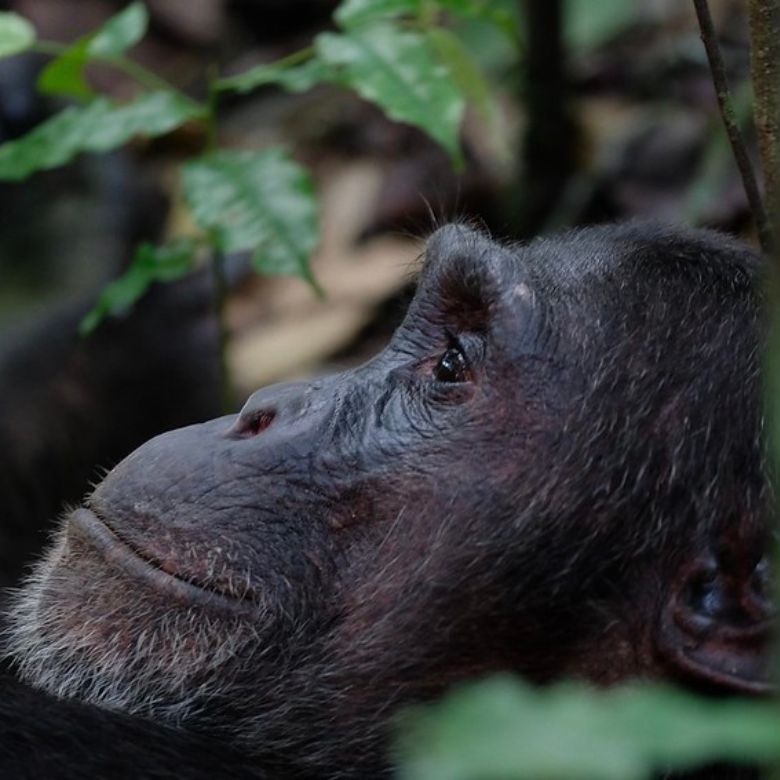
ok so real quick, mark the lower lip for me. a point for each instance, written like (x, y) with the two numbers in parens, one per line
(87, 526)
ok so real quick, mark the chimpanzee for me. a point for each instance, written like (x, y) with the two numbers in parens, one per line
(556, 468)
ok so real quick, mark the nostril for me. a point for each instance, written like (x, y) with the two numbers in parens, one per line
(285, 402)
(255, 422)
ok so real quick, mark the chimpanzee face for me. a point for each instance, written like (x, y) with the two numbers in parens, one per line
(555, 467)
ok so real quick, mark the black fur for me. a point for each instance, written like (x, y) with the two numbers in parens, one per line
(556, 468)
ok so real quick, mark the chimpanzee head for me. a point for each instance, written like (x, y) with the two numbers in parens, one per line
(555, 467)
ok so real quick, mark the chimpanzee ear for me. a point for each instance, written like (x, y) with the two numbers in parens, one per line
(716, 625)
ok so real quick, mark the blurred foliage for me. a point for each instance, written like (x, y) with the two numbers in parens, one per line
(65, 75)
(261, 202)
(98, 126)
(16, 34)
(588, 24)
(150, 264)
(421, 62)
(399, 71)
(503, 729)
(395, 53)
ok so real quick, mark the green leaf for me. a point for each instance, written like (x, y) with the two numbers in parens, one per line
(120, 33)
(588, 24)
(501, 13)
(353, 13)
(65, 74)
(150, 264)
(296, 79)
(504, 729)
(356, 13)
(261, 202)
(16, 34)
(97, 127)
(464, 70)
(400, 72)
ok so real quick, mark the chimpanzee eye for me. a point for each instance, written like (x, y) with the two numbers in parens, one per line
(452, 366)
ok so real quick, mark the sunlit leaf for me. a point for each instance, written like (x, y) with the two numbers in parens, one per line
(150, 264)
(400, 72)
(65, 74)
(261, 202)
(97, 127)
(121, 32)
(16, 34)
(295, 79)
(503, 729)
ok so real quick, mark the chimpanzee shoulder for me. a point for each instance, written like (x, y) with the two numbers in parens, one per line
(43, 737)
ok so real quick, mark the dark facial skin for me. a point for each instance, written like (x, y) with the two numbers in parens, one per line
(555, 468)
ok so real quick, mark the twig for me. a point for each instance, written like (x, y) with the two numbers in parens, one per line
(765, 74)
(737, 141)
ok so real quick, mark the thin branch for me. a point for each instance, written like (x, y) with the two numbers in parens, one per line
(144, 76)
(765, 73)
(736, 139)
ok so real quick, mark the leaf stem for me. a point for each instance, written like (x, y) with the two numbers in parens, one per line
(139, 73)
(49, 48)
(728, 115)
(296, 58)
(290, 61)
(142, 75)
(428, 16)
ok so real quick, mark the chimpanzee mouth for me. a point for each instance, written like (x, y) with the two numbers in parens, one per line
(116, 551)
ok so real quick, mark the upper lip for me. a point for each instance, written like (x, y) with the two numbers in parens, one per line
(116, 551)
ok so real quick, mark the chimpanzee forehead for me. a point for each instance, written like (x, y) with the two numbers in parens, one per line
(638, 256)
(645, 252)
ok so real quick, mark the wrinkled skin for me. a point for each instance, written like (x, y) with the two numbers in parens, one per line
(555, 468)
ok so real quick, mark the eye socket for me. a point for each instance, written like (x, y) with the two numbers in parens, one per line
(452, 366)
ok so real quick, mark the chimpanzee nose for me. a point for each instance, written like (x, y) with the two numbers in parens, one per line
(277, 403)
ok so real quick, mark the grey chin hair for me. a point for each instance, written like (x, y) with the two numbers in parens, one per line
(178, 664)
